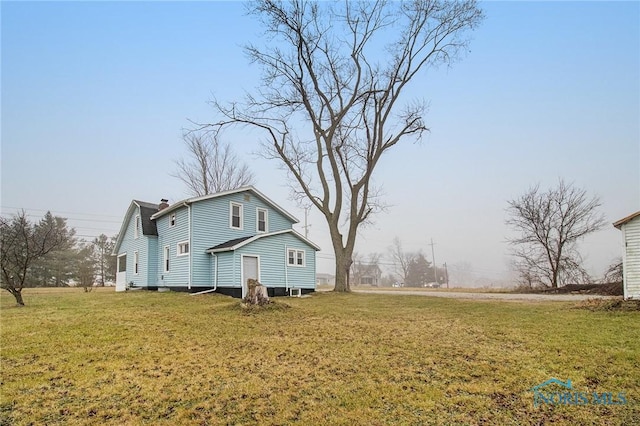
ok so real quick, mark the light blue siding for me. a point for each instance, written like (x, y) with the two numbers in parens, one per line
(178, 274)
(211, 226)
(145, 245)
(206, 223)
(228, 269)
(274, 271)
(152, 259)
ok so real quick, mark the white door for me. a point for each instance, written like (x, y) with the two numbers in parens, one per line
(250, 269)
(121, 273)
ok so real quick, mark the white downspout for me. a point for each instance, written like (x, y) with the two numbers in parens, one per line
(190, 245)
(215, 272)
(286, 268)
(215, 278)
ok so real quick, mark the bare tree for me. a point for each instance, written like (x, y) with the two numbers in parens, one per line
(549, 224)
(400, 259)
(330, 103)
(211, 166)
(614, 273)
(21, 244)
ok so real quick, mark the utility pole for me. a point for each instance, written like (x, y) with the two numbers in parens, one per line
(306, 227)
(433, 256)
(446, 274)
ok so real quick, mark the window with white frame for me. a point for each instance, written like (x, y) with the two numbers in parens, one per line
(172, 219)
(295, 257)
(235, 215)
(136, 258)
(166, 259)
(261, 217)
(136, 230)
(122, 263)
(183, 248)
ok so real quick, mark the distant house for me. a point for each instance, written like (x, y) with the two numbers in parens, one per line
(630, 227)
(214, 242)
(366, 274)
(325, 279)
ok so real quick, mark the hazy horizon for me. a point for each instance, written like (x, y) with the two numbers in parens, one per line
(95, 96)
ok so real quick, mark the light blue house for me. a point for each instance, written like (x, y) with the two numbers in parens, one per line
(214, 242)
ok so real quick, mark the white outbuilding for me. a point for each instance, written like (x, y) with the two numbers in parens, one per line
(630, 227)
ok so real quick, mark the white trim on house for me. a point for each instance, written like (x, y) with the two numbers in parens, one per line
(182, 248)
(166, 259)
(630, 227)
(172, 220)
(137, 224)
(257, 237)
(243, 281)
(257, 193)
(135, 205)
(266, 219)
(121, 272)
(233, 204)
(298, 259)
(190, 277)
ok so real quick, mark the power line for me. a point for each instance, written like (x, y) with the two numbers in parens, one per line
(60, 212)
(74, 218)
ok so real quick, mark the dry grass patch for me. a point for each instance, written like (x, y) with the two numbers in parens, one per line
(170, 358)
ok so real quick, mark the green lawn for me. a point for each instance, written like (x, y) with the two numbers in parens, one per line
(170, 358)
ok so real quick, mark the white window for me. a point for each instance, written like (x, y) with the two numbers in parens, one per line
(135, 262)
(166, 259)
(136, 231)
(295, 257)
(172, 219)
(183, 248)
(122, 263)
(261, 217)
(235, 216)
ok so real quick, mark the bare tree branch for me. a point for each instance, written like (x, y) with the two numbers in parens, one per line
(331, 100)
(549, 224)
(211, 166)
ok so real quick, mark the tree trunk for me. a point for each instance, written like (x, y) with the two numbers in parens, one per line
(18, 295)
(343, 264)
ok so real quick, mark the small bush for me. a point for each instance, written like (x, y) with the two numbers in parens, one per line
(610, 305)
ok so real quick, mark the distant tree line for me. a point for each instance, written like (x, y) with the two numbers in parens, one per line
(47, 253)
(410, 269)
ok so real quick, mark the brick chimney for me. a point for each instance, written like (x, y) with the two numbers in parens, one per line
(164, 203)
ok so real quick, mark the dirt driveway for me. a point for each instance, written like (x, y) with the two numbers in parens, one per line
(491, 296)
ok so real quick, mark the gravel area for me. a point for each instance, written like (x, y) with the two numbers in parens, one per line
(492, 296)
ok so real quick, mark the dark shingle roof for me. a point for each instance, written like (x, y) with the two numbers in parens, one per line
(146, 211)
(230, 243)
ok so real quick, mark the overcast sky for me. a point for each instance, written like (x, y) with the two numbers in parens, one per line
(95, 97)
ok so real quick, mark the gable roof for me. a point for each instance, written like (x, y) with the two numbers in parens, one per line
(146, 211)
(627, 219)
(236, 243)
(229, 244)
(222, 194)
(148, 226)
